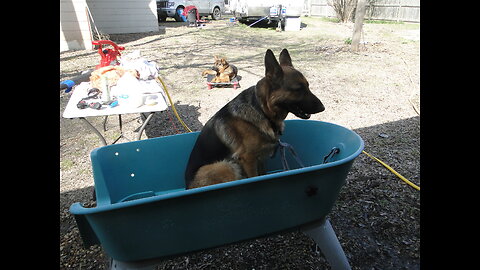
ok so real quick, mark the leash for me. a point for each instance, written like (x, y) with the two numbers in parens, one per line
(283, 146)
(328, 158)
(333, 152)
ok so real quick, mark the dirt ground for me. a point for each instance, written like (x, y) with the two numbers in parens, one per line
(375, 92)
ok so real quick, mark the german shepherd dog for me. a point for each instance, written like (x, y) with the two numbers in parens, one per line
(234, 143)
(223, 71)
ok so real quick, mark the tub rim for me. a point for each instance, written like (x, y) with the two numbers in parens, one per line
(78, 209)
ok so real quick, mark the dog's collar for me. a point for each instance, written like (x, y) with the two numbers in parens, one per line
(276, 129)
(258, 106)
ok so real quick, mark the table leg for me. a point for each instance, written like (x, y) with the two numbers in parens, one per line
(144, 125)
(105, 123)
(120, 123)
(95, 130)
(121, 131)
(104, 142)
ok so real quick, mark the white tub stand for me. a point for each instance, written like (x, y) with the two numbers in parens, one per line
(324, 236)
(137, 265)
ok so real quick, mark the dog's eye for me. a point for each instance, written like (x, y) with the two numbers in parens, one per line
(297, 88)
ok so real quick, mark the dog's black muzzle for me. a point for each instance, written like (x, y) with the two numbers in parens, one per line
(306, 107)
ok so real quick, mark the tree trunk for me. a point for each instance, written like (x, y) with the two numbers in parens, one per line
(357, 30)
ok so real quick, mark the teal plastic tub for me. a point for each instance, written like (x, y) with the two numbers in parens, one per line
(144, 212)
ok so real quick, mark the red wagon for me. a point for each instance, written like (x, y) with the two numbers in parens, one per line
(233, 83)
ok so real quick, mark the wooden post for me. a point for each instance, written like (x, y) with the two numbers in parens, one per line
(399, 9)
(357, 29)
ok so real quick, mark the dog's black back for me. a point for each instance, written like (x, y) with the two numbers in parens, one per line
(209, 148)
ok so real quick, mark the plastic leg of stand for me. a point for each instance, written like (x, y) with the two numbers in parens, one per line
(325, 238)
(116, 265)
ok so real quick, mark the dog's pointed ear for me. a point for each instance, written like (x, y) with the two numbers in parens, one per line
(285, 59)
(215, 57)
(273, 71)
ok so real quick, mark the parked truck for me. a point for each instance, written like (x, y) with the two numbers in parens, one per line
(173, 8)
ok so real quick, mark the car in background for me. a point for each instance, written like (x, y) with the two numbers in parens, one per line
(172, 8)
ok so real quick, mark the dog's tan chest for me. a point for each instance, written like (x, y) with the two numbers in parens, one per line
(250, 139)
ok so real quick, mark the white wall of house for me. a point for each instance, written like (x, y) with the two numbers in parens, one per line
(75, 30)
(124, 16)
(110, 17)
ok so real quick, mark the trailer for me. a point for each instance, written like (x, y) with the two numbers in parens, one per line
(283, 11)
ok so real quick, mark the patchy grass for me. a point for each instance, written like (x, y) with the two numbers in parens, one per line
(66, 164)
(383, 22)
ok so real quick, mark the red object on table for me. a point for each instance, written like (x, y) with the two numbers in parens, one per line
(108, 55)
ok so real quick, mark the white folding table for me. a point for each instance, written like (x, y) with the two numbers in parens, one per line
(81, 91)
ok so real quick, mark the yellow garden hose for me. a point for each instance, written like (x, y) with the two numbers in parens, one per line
(393, 171)
(173, 105)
